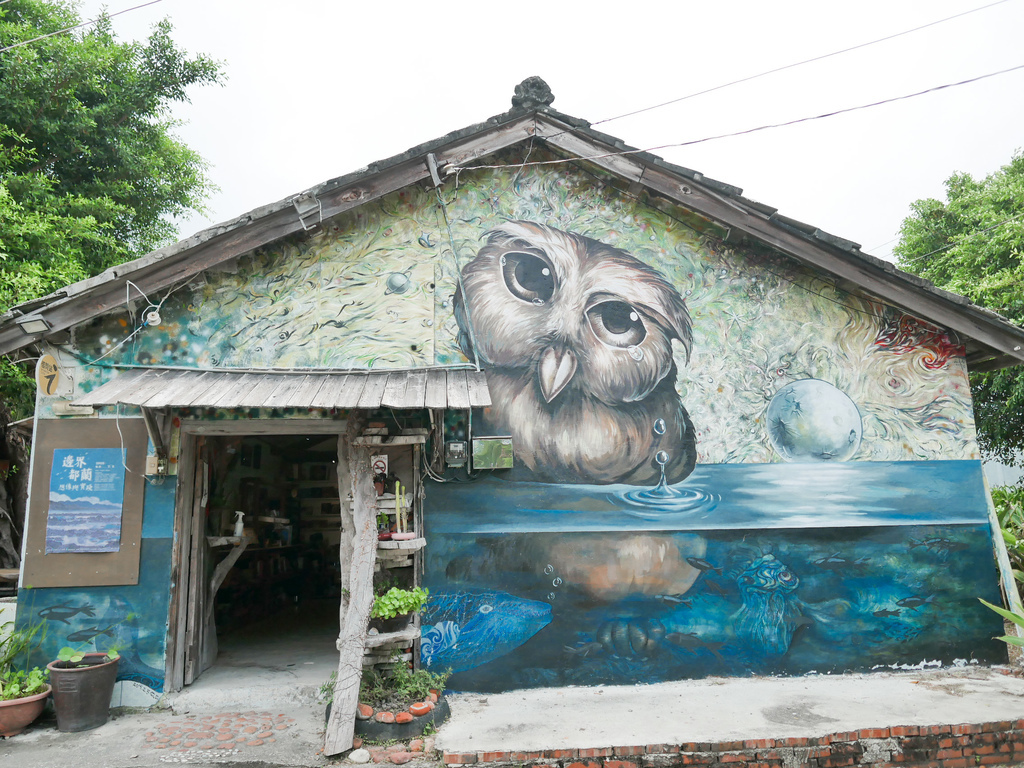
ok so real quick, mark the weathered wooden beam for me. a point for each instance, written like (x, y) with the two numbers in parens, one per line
(403, 637)
(357, 602)
(220, 572)
(177, 613)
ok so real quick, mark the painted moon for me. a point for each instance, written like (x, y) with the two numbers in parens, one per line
(811, 420)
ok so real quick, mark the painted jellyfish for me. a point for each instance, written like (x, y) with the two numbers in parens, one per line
(769, 614)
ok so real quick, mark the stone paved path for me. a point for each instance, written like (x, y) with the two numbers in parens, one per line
(221, 732)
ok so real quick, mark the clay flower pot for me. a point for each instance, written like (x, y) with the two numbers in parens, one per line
(17, 714)
(82, 691)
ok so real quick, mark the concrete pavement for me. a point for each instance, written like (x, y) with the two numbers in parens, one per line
(286, 732)
(728, 709)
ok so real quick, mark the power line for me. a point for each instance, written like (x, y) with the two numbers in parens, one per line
(457, 168)
(798, 63)
(79, 26)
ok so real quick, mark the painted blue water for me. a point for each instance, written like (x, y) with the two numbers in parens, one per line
(741, 569)
(722, 497)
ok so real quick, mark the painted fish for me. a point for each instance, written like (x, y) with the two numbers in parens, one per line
(937, 544)
(835, 562)
(65, 611)
(85, 635)
(703, 565)
(914, 602)
(463, 630)
(689, 641)
(714, 587)
(885, 614)
(676, 599)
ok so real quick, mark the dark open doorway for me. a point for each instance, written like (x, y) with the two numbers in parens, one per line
(270, 606)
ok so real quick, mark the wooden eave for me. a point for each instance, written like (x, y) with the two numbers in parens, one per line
(992, 342)
(158, 388)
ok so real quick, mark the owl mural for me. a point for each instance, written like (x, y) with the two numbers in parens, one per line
(576, 339)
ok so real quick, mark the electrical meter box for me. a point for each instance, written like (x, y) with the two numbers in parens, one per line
(492, 453)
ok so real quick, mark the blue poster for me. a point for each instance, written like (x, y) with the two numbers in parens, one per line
(86, 497)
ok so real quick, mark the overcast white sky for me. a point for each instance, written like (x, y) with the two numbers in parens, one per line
(317, 89)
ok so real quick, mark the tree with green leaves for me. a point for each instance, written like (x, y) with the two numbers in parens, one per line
(973, 244)
(91, 172)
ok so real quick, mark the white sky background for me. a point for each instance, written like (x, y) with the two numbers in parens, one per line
(318, 89)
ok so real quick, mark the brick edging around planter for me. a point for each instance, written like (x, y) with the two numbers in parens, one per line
(911, 746)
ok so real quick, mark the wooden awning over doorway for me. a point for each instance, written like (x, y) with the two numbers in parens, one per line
(155, 388)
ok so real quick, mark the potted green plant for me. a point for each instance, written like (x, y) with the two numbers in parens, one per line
(415, 701)
(395, 603)
(83, 684)
(23, 691)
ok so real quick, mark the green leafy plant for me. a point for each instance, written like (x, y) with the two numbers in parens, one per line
(972, 243)
(397, 601)
(1009, 503)
(76, 657)
(327, 687)
(16, 680)
(401, 688)
(1016, 618)
(20, 684)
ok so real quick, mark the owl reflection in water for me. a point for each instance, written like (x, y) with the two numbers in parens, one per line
(576, 339)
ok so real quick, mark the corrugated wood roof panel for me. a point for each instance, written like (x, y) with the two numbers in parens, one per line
(113, 388)
(174, 390)
(479, 394)
(436, 393)
(373, 390)
(458, 390)
(165, 388)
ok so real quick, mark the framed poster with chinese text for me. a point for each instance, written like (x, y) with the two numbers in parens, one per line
(86, 499)
(84, 526)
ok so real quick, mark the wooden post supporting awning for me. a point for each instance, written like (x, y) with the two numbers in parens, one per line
(176, 388)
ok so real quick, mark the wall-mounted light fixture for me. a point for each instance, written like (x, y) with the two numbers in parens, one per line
(33, 324)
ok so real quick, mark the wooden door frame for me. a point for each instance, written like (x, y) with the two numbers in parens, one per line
(191, 432)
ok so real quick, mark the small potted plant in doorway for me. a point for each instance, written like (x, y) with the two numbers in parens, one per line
(391, 610)
(83, 684)
(23, 691)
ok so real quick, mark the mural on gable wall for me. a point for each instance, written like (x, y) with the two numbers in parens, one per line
(725, 463)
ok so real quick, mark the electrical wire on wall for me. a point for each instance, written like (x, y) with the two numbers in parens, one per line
(151, 317)
(124, 451)
(458, 273)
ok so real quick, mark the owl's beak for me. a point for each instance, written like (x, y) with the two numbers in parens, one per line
(557, 367)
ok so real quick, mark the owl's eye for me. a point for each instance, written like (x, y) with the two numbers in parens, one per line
(617, 324)
(528, 277)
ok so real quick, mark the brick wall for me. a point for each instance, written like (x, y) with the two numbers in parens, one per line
(929, 746)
